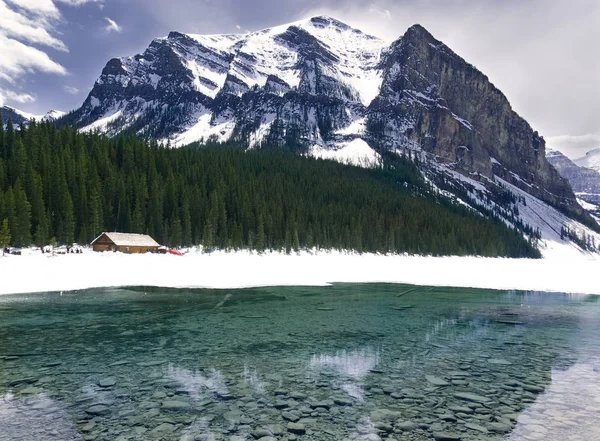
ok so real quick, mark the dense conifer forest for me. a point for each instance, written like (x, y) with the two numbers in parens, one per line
(60, 186)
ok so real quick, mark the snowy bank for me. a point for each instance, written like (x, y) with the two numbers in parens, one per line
(36, 272)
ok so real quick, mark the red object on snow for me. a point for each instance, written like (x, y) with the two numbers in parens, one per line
(175, 252)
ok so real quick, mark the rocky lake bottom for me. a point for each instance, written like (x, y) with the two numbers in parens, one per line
(345, 362)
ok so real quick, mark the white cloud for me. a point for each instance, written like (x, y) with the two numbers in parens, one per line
(18, 97)
(39, 7)
(19, 59)
(112, 25)
(27, 32)
(9, 95)
(574, 147)
(385, 13)
(30, 25)
(71, 90)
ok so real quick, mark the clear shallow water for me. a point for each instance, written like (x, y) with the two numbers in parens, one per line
(346, 362)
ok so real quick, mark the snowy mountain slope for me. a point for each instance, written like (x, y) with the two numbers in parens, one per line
(517, 208)
(321, 87)
(550, 222)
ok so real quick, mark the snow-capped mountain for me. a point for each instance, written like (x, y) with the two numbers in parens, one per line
(590, 160)
(19, 117)
(325, 88)
(53, 115)
(16, 116)
(584, 181)
(187, 87)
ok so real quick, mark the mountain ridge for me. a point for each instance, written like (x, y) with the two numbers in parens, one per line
(317, 86)
(18, 116)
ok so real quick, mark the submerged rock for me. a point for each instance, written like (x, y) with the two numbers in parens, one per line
(476, 427)
(436, 381)
(175, 406)
(290, 416)
(471, 397)
(342, 402)
(297, 428)
(98, 409)
(161, 430)
(407, 426)
(499, 427)
(446, 436)
(233, 416)
(107, 382)
(31, 391)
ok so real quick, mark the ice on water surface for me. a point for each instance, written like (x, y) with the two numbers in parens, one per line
(344, 362)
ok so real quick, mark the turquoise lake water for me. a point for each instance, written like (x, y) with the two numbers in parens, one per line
(345, 362)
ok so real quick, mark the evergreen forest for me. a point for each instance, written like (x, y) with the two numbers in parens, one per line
(61, 186)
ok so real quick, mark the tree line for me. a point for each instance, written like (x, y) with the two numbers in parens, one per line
(61, 186)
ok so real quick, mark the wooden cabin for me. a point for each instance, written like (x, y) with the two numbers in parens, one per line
(125, 243)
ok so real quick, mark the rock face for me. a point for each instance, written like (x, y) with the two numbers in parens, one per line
(319, 85)
(445, 106)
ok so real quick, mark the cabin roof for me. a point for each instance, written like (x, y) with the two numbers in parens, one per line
(129, 239)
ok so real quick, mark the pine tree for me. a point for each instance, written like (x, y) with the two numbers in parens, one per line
(10, 211)
(208, 236)
(21, 231)
(9, 138)
(5, 237)
(260, 235)
(186, 223)
(176, 238)
(137, 220)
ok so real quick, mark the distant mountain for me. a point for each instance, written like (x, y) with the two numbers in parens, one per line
(590, 160)
(53, 115)
(19, 117)
(16, 116)
(584, 181)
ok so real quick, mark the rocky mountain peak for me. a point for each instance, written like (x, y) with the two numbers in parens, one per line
(320, 85)
(418, 33)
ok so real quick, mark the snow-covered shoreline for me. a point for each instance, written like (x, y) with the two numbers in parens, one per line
(36, 272)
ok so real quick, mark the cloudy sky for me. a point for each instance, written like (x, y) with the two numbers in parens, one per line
(542, 54)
